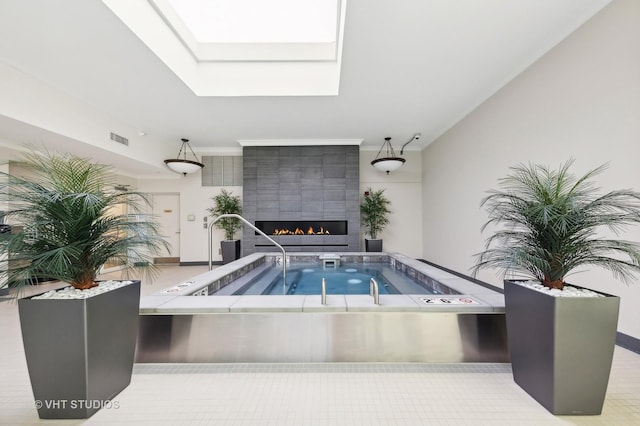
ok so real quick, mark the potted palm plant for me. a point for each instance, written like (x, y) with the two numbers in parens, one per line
(552, 223)
(79, 342)
(374, 216)
(227, 203)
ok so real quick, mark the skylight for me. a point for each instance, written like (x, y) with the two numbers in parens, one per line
(259, 21)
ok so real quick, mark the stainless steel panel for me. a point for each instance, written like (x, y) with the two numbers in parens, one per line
(323, 337)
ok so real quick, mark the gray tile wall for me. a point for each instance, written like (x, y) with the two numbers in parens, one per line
(302, 183)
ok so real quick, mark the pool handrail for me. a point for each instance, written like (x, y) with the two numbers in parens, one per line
(323, 292)
(237, 216)
(374, 291)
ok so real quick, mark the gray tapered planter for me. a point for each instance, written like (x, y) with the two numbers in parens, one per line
(561, 348)
(372, 245)
(230, 250)
(80, 351)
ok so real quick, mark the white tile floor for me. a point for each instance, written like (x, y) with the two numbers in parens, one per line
(312, 394)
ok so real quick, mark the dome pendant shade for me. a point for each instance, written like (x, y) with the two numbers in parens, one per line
(388, 164)
(389, 161)
(182, 165)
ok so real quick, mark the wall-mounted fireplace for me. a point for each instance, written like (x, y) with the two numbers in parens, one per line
(302, 187)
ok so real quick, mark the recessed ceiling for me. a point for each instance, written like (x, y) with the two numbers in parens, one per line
(407, 66)
(244, 47)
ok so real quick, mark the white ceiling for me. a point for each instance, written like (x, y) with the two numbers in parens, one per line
(408, 66)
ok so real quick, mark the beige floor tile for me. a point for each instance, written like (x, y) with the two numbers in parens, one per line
(350, 394)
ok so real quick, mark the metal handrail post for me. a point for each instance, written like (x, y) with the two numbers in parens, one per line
(374, 291)
(237, 216)
(323, 292)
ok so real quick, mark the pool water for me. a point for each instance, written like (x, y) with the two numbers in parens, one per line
(306, 279)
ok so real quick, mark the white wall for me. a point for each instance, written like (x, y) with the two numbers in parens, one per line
(68, 122)
(580, 100)
(403, 188)
(194, 199)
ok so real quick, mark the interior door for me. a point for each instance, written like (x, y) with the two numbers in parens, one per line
(166, 208)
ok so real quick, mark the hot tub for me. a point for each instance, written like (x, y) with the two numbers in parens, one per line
(464, 323)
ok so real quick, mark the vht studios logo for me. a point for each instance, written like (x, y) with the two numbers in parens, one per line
(56, 404)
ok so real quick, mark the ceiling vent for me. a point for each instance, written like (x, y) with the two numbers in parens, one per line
(119, 139)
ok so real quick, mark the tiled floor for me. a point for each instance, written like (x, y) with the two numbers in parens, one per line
(312, 394)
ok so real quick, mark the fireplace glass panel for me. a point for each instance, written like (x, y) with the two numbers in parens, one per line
(302, 227)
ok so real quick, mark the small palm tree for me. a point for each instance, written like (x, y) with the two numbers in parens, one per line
(227, 203)
(374, 212)
(552, 223)
(67, 225)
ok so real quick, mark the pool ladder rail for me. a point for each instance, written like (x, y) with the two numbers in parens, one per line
(373, 291)
(237, 216)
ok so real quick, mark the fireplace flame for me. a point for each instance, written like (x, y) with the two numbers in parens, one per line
(298, 231)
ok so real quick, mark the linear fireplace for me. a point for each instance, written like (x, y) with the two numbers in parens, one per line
(303, 227)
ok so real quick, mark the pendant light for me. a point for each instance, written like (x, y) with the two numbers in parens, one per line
(387, 161)
(182, 165)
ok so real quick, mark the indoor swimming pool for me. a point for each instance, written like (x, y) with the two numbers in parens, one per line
(352, 278)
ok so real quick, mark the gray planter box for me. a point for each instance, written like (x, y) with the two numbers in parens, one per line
(230, 250)
(561, 348)
(79, 352)
(373, 245)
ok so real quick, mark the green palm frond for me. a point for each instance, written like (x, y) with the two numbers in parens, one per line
(374, 212)
(67, 228)
(227, 203)
(550, 224)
